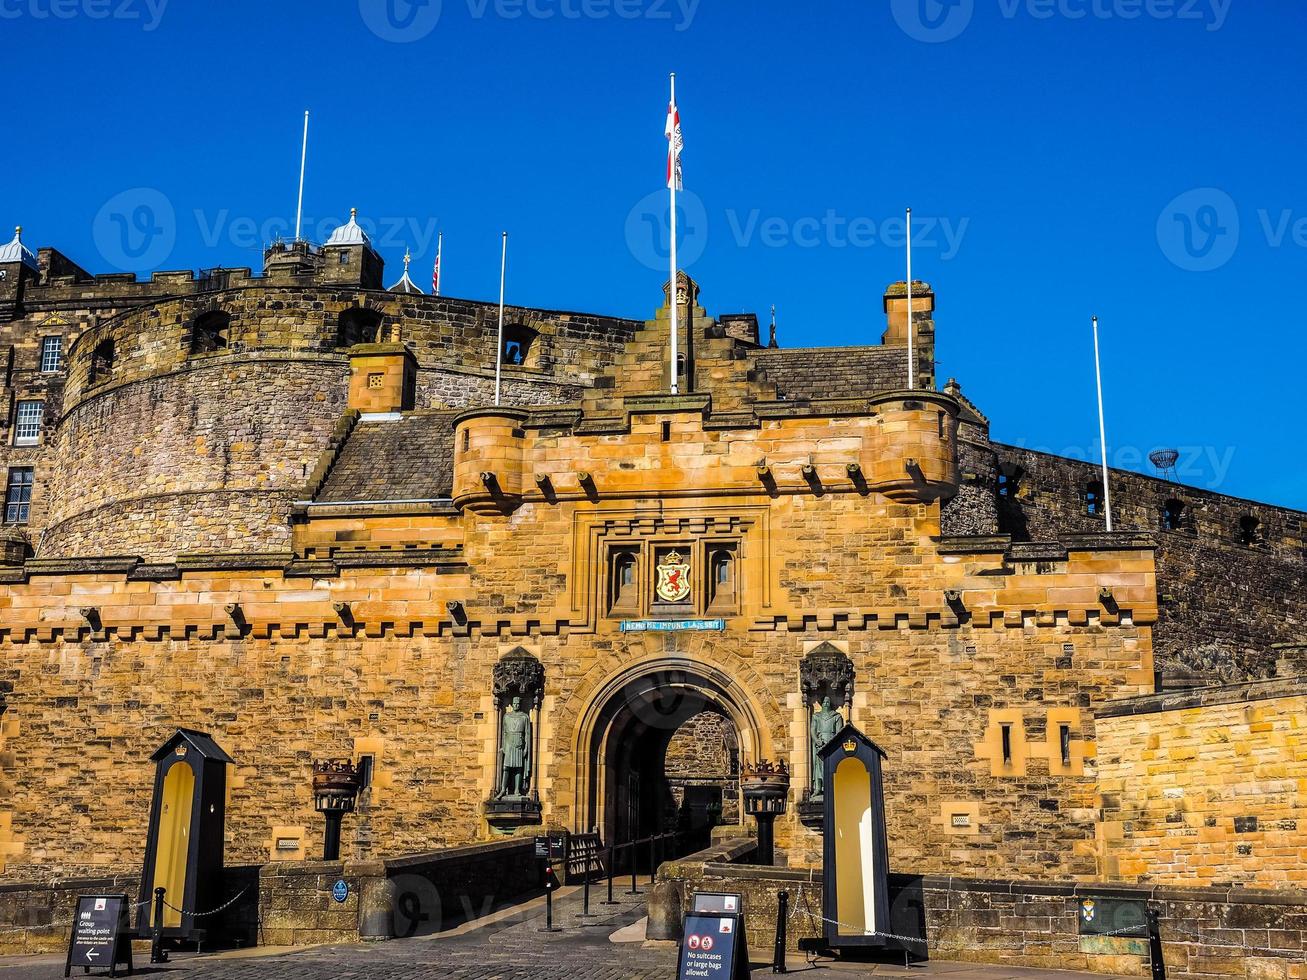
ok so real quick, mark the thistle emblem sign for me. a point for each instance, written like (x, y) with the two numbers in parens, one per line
(673, 583)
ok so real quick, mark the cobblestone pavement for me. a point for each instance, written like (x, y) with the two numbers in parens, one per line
(508, 946)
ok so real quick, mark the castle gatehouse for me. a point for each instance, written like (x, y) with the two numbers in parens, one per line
(287, 510)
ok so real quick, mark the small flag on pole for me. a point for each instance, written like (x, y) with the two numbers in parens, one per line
(675, 143)
(435, 270)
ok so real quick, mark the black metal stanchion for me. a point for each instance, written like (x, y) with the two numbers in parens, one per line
(1155, 958)
(551, 885)
(635, 854)
(157, 953)
(585, 893)
(778, 957)
(611, 868)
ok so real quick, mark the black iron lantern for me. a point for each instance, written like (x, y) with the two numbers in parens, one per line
(855, 870)
(766, 791)
(335, 787)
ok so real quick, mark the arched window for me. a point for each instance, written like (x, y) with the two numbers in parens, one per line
(1249, 530)
(358, 326)
(721, 577)
(1173, 515)
(623, 594)
(210, 332)
(518, 341)
(102, 359)
(1094, 497)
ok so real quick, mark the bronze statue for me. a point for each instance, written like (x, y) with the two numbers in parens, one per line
(826, 723)
(515, 752)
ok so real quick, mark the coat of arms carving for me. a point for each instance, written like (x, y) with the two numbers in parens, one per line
(673, 584)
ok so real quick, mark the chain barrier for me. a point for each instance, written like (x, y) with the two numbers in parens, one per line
(59, 924)
(200, 915)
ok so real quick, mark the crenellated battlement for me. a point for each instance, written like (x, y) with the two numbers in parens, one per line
(902, 445)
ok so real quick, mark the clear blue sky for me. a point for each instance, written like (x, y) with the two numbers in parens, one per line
(1051, 144)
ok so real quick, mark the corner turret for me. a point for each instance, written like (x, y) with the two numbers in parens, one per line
(18, 266)
(348, 258)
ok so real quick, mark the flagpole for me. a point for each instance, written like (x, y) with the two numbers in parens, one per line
(440, 240)
(304, 153)
(672, 163)
(1102, 430)
(912, 367)
(499, 346)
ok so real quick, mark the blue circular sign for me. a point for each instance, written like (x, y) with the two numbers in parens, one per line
(340, 890)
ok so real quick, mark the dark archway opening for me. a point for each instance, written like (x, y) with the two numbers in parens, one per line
(667, 761)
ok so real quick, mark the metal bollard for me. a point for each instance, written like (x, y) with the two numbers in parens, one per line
(778, 957)
(157, 953)
(1155, 958)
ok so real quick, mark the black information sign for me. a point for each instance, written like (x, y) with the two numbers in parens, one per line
(713, 948)
(101, 935)
(542, 848)
(1122, 917)
(558, 845)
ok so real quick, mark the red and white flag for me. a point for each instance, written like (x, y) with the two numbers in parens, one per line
(675, 143)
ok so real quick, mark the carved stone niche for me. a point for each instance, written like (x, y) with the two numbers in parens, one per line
(520, 675)
(517, 675)
(826, 672)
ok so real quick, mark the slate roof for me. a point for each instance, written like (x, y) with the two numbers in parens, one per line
(833, 372)
(410, 458)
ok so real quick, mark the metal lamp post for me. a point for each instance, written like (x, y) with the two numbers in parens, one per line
(335, 786)
(766, 790)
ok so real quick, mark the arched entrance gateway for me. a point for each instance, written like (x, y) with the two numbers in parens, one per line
(659, 748)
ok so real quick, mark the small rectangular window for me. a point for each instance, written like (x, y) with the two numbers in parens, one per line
(365, 771)
(1064, 738)
(52, 354)
(18, 495)
(1007, 745)
(27, 431)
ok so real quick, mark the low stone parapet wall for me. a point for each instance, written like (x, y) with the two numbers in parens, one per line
(36, 917)
(405, 896)
(1206, 932)
(436, 891)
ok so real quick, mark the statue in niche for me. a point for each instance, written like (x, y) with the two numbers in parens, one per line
(514, 752)
(825, 724)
